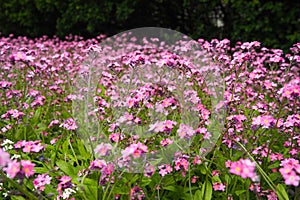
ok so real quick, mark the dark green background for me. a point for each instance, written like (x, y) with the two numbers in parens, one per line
(276, 24)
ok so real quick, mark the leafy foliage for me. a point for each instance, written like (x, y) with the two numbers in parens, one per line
(274, 23)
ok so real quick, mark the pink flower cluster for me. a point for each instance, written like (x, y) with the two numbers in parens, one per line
(244, 168)
(41, 181)
(30, 146)
(136, 193)
(265, 121)
(105, 168)
(14, 168)
(103, 149)
(185, 131)
(69, 124)
(291, 90)
(166, 125)
(15, 114)
(290, 171)
(135, 150)
(165, 169)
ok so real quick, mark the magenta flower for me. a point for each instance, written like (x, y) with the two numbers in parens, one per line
(136, 193)
(40, 181)
(69, 124)
(97, 164)
(165, 169)
(219, 186)
(65, 179)
(181, 163)
(166, 142)
(266, 121)
(27, 168)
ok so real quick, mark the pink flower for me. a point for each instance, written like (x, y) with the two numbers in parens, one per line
(169, 124)
(136, 193)
(65, 179)
(244, 168)
(53, 122)
(69, 124)
(135, 150)
(27, 147)
(288, 171)
(40, 181)
(266, 121)
(149, 170)
(103, 149)
(114, 137)
(4, 158)
(27, 168)
(5, 84)
(292, 179)
(165, 169)
(12, 169)
(194, 179)
(97, 164)
(181, 163)
(185, 131)
(157, 127)
(167, 102)
(291, 90)
(219, 187)
(166, 142)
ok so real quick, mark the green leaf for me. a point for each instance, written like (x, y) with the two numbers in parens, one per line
(67, 168)
(83, 152)
(197, 195)
(36, 116)
(207, 190)
(40, 170)
(274, 165)
(227, 179)
(145, 182)
(88, 181)
(17, 198)
(202, 169)
(65, 146)
(170, 188)
(239, 192)
(282, 195)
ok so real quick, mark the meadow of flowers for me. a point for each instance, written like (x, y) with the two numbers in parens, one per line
(151, 136)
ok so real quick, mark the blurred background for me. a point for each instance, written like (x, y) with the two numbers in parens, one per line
(276, 24)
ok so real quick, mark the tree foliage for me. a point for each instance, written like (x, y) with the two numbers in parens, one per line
(274, 23)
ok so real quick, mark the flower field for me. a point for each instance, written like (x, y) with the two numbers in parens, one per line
(83, 119)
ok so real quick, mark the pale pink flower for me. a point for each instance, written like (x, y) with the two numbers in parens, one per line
(219, 186)
(185, 131)
(244, 168)
(27, 168)
(40, 181)
(4, 158)
(12, 169)
(103, 149)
